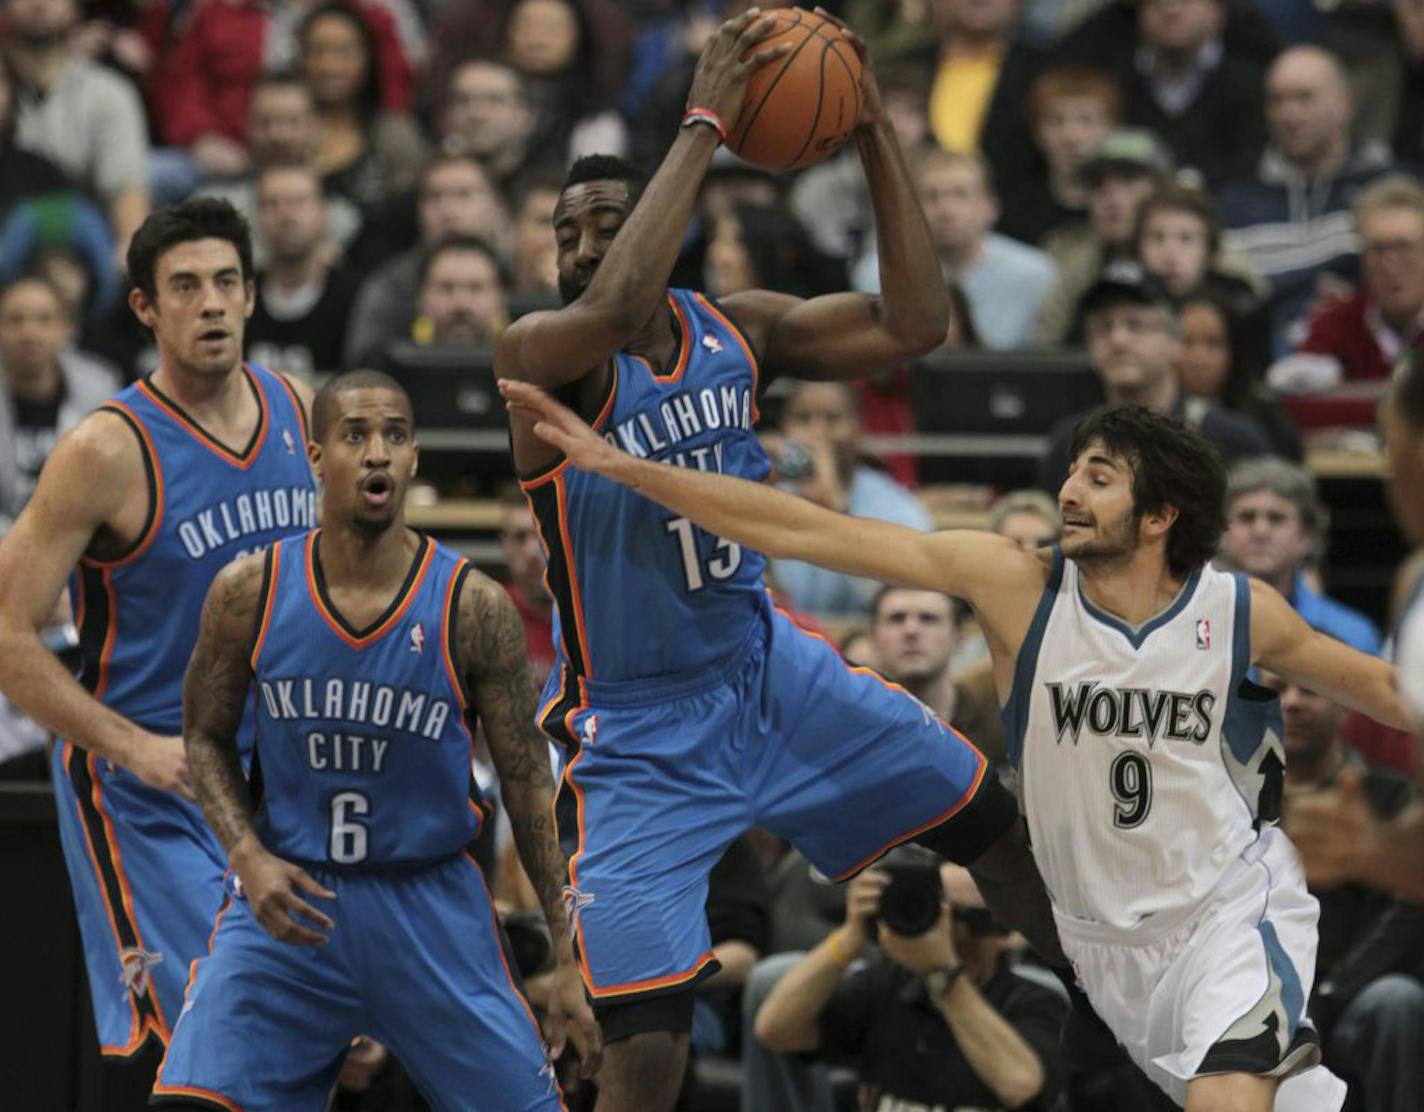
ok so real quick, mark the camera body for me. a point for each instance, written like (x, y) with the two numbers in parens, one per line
(910, 903)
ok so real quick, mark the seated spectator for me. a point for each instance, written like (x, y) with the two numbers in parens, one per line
(1133, 343)
(574, 55)
(23, 174)
(200, 95)
(455, 197)
(1368, 1002)
(939, 1019)
(1275, 522)
(1005, 281)
(1107, 38)
(832, 199)
(1121, 173)
(534, 264)
(48, 387)
(79, 115)
(1178, 80)
(487, 115)
(1291, 218)
(913, 638)
(1073, 110)
(299, 321)
(982, 74)
(461, 296)
(525, 562)
(364, 152)
(822, 425)
(282, 131)
(1029, 518)
(1362, 336)
(759, 247)
(1213, 370)
(63, 225)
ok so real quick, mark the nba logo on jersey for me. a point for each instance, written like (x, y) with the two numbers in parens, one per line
(711, 343)
(289, 442)
(590, 729)
(1203, 633)
(417, 638)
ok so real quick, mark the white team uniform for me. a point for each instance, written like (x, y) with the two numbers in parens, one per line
(1409, 654)
(1150, 768)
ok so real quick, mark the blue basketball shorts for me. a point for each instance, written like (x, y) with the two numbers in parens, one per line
(147, 875)
(415, 961)
(783, 736)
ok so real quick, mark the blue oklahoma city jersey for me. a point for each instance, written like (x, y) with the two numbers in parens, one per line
(363, 747)
(642, 592)
(138, 614)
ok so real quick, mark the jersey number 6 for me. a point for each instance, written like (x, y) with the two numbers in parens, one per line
(348, 838)
(722, 565)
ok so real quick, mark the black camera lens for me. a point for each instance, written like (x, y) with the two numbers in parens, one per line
(910, 904)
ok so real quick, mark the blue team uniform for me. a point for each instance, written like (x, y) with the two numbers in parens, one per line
(690, 708)
(363, 769)
(146, 870)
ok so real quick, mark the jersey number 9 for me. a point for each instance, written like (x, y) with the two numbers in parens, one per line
(1131, 780)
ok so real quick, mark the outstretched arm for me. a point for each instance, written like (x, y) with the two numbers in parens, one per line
(851, 335)
(494, 657)
(1283, 643)
(976, 566)
(214, 693)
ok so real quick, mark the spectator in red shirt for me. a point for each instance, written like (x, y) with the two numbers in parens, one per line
(1367, 332)
(200, 96)
(524, 557)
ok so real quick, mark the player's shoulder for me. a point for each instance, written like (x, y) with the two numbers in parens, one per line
(102, 454)
(243, 580)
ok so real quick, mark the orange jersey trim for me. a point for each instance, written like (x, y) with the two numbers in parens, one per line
(386, 626)
(241, 460)
(652, 983)
(268, 604)
(156, 518)
(162, 1090)
(451, 668)
(296, 404)
(561, 494)
(684, 347)
(743, 343)
(542, 477)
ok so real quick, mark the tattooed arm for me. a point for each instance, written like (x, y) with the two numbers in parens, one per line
(494, 659)
(214, 692)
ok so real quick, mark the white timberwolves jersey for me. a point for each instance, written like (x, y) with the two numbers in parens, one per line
(1146, 757)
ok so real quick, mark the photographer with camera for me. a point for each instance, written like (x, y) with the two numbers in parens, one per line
(940, 1020)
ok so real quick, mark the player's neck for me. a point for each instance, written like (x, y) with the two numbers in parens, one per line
(1135, 590)
(352, 557)
(658, 339)
(218, 398)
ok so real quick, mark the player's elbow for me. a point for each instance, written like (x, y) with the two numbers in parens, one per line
(924, 326)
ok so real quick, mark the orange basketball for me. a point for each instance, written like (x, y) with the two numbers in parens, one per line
(800, 108)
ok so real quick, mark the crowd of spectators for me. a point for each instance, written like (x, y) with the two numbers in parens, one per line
(1215, 200)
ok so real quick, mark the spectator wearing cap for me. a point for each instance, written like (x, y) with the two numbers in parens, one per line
(1005, 281)
(82, 116)
(1133, 343)
(1072, 110)
(1275, 524)
(1292, 218)
(1361, 337)
(1121, 173)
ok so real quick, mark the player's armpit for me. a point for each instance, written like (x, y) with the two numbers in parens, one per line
(1283, 643)
(215, 689)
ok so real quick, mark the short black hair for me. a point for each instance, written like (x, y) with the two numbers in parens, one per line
(1172, 465)
(890, 588)
(609, 167)
(193, 219)
(459, 243)
(363, 379)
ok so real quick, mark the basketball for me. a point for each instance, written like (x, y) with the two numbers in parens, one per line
(799, 109)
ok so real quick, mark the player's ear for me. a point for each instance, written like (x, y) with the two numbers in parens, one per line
(314, 458)
(414, 458)
(1159, 521)
(142, 307)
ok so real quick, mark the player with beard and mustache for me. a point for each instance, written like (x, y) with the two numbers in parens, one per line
(1149, 764)
(690, 708)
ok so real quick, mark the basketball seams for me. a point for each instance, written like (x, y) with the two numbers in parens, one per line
(745, 131)
(820, 105)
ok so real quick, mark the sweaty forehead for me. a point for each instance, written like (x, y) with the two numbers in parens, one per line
(585, 198)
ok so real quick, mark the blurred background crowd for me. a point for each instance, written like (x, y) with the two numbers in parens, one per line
(1209, 207)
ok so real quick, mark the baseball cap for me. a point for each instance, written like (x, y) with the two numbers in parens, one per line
(1125, 281)
(1128, 148)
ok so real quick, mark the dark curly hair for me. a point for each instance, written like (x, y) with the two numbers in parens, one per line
(194, 219)
(1172, 465)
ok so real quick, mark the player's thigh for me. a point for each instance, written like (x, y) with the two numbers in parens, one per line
(645, 809)
(1231, 1092)
(441, 994)
(852, 765)
(265, 1024)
